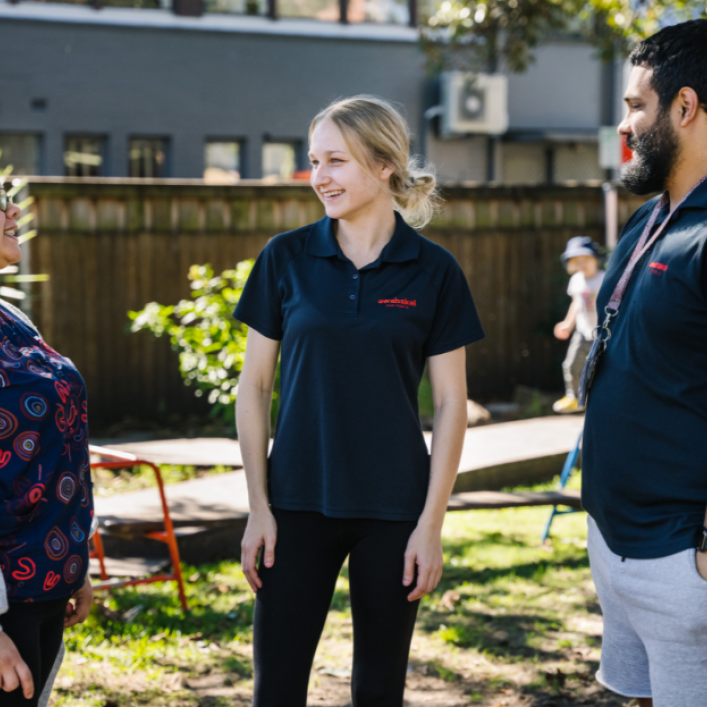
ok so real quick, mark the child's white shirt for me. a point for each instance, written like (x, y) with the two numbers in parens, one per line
(584, 292)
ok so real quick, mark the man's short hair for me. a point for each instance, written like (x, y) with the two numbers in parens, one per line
(678, 57)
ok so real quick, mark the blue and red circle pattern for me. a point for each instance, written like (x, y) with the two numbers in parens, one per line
(44, 461)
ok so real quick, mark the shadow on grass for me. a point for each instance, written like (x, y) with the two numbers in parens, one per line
(156, 614)
(507, 637)
(534, 571)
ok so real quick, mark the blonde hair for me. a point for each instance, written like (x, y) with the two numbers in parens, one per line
(376, 133)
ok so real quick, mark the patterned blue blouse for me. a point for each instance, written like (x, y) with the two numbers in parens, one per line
(46, 501)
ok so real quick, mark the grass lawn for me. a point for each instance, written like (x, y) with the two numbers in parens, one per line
(512, 623)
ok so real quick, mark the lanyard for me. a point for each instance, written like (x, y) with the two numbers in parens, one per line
(644, 243)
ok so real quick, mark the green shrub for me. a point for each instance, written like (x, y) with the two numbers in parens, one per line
(210, 342)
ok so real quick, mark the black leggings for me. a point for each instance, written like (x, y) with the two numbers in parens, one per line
(293, 603)
(36, 629)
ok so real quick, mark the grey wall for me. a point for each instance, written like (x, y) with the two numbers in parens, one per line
(562, 89)
(191, 84)
(187, 85)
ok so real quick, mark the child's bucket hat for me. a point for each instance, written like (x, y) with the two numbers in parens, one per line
(580, 245)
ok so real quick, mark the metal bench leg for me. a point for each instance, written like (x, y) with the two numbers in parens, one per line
(570, 463)
(99, 554)
(170, 539)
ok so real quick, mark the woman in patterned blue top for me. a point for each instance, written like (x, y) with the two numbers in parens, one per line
(46, 504)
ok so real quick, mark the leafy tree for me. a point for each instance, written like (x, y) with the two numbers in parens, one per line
(479, 34)
(210, 342)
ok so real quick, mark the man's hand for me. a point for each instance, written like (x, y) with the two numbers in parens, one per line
(701, 563)
(13, 670)
(77, 612)
(563, 331)
(260, 531)
(424, 550)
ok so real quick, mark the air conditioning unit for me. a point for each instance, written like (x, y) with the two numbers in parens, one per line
(474, 103)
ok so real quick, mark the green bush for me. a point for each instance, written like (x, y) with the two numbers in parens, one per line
(210, 342)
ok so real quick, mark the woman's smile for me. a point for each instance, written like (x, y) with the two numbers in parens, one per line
(331, 194)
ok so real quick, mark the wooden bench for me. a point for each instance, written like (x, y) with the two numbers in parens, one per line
(478, 500)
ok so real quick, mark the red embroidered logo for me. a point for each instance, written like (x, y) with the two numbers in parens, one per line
(400, 303)
(658, 266)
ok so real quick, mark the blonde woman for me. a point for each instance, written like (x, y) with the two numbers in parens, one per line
(355, 304)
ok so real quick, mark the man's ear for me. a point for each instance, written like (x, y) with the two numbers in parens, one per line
(688, 104)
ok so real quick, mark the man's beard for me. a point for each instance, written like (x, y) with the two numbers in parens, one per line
(655, 153)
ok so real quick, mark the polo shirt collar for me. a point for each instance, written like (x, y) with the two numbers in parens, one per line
(696, 200)
(403, 246)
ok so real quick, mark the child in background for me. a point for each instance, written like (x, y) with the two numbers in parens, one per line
(581, 259)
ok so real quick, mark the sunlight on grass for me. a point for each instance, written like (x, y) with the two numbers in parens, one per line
(509, 612)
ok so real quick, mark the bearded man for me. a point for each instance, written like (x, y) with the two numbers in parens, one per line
(645, 442)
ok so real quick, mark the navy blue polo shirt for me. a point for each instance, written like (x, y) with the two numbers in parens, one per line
(645, 449)
(348, 441)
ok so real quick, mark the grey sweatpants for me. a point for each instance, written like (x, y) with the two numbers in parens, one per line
(47, 692)
(572, 366)
(655, 625)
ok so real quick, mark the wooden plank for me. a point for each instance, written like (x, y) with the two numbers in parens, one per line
(478, 500)
(199, 451)
(121, 343)
(134, 370)
(219, 499)
(94, 289)
(128, 566)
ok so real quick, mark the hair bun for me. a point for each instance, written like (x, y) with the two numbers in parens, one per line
(424, 182)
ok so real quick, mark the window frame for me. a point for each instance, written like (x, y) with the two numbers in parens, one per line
(240, 141)
(273, 14)
(41, 148)
(168, 153)
(104, 153)
(296, 143)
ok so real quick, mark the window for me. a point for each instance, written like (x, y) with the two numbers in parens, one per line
(222, 162)
(149, 158)
(22, 151)
(314, 9)
(395, 12)
(279, 160)
(84, 156)
(524, 163)
(69, 2)
(428, 8)
(578, 162)
(237, 7)
(137, 4)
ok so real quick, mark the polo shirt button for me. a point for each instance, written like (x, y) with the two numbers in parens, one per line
(355, 277)
(352, 296)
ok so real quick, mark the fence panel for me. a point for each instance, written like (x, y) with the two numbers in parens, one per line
(112, 245)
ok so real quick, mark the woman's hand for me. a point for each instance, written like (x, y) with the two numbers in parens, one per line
(13, 670)
(77, 612)
(424, 550)
(260, 531)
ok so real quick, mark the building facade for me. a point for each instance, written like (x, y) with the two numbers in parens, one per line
(146, 92)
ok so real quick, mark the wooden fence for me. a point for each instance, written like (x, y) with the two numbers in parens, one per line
(113, 245)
